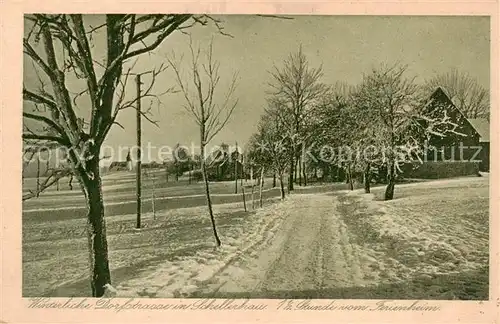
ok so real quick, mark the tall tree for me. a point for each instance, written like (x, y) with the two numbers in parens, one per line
(391, 113)
(465, 92)
(270, 146)
(332, 125)
(202, 103)
(389, 100)
(61, 49)
(298, 85)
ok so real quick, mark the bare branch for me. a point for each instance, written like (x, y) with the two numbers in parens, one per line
(464, 91)
(169, 26)
(50, 138)
(52, 179)
(28, 49)
(189, 107)
(33, 97)
(210, 116)
(45, 120)
(85, 55)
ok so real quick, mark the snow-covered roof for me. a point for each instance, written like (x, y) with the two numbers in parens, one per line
(482, 127)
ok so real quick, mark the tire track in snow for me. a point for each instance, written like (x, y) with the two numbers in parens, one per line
(312, 251)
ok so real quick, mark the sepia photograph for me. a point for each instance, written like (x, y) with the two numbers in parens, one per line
(256, 156)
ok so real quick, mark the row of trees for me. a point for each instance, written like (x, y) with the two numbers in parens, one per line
(377, 125)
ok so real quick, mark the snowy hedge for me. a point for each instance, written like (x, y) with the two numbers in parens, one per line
(439, 170)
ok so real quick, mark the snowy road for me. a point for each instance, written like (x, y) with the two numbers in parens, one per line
(299, 245)
(311, 251)
(318, 252)
(348, 245)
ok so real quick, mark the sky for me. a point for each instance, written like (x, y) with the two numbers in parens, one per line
(345, 46)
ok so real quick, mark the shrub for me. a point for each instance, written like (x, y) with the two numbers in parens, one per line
(196, 175)
(440, 169)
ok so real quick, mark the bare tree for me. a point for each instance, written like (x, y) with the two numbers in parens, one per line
(298, 85)
(389, 111)
(465, 92)
(261, 185)
(60, 47)
(270, 146)
(201, 102)
(242, 186)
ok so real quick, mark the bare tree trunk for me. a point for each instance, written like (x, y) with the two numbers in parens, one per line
(191, 172)
(261, 185)
(304, 173)
(282, 185)
(349, 177)
(367, 178)
(295, 170)
(253, 201)
(38, 175)
(242, 186)
(391, 182)
(236, 169)
(207, 192)
(274, 179)
(70, 182)
(299, 162)
(153, 198)
(57, 184)
(292, 168)
(235, 177)
(96, 232)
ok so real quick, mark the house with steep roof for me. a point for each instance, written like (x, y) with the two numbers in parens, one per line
(482, 127)
(221, 163)
(470, 139)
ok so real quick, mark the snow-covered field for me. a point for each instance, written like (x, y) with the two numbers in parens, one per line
(431, 241)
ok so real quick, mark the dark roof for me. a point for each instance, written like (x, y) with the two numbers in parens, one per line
(220, 157)
(482, 127)
(441, 93)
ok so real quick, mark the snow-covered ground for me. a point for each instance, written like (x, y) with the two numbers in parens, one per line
(431, 241)
(433, 235)
(55, 253)
(184, 275)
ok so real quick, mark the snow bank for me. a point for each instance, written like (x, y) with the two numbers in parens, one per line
(434, 231)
